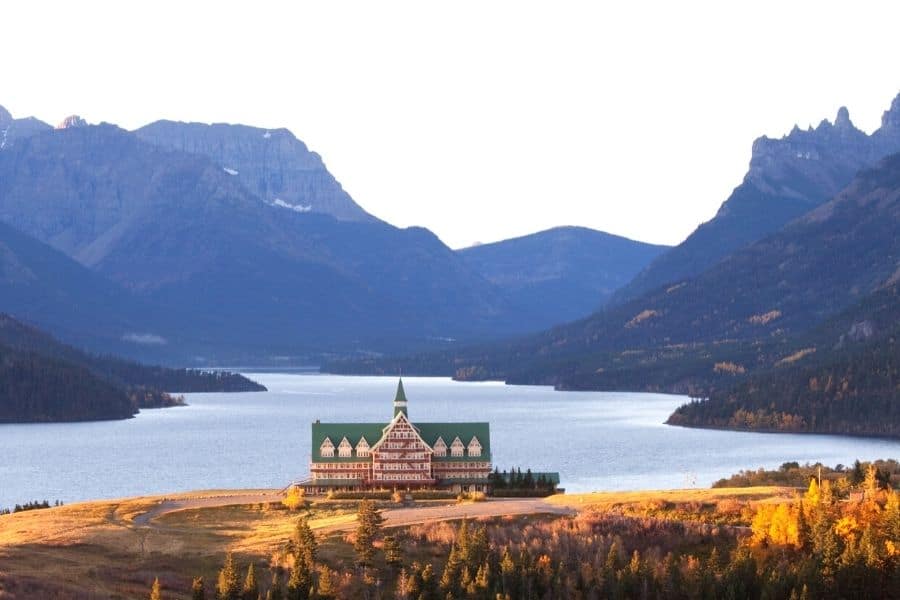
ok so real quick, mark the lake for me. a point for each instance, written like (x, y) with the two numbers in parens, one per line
(596, 440)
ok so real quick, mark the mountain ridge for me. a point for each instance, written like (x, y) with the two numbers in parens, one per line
(786, 178)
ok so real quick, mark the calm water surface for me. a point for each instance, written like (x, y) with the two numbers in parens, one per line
(596, 440)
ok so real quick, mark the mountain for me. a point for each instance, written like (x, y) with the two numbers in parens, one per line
(271, 163)
(237, 276)
(787, 178)
(45, 286)
(12, 130)
(734, 318)
(562, 273)
(844, 378)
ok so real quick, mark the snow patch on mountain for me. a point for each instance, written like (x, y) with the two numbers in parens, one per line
(294, 207)
(229, 171)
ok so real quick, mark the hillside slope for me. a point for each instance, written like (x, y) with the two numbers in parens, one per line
(271, 163)
(732, 318)
(562, 273)
(242, 276)
(787, 178)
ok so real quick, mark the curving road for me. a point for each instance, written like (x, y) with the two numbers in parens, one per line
(393, 517)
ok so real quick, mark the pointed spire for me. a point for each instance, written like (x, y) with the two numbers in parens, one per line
(400, 399)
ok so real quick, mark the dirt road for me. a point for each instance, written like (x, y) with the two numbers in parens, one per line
(394, 517)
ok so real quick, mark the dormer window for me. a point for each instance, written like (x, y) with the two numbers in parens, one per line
(474, 447)
(327, 449)
(457, 448)
(440, 447)
(362, 447)
(345, 450)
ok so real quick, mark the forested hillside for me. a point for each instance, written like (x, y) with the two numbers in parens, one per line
(851, 392)
(39, 389)
(43, 380)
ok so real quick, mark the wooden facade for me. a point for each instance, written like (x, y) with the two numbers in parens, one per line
(400, 454)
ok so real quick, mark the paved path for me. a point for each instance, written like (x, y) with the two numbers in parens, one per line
(394, 517)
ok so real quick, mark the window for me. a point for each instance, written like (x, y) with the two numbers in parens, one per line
(474, 447)
(456, 448)
(345, 450)
(327, 448)
(362, 447)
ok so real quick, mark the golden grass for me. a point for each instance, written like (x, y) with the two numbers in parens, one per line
(604, 499)
(97, 547)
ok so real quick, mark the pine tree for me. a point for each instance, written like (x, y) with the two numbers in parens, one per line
(450, 576)
(304, 541)
(326, 590)
(870, 483)
(367, 531)
(276, 590)
(300, 582)
(393, 553)
(429, 584)
(803, 532)
(251, 588)
(198, 590)
(228, 586)
(155, 592)
(857, 475)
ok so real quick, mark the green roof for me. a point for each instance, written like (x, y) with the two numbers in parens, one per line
(430, 432)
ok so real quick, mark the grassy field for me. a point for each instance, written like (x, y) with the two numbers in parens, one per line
(96, 550)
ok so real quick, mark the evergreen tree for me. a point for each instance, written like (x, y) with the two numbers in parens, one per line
(450, 576)
(367, 531)
(803, 532)
(857, 475)
(429, 584)
(198, 590)
(228, 586)
(300, 582)
(276, 590)
(155, 592)
(393, 553)
(304, 542)
(326, 589)
(251, 588)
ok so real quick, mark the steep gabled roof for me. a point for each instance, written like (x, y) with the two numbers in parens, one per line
(429, 432)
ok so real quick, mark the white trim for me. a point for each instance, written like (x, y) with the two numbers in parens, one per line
(387, 429)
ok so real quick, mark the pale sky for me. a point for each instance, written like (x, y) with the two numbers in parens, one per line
(479, 120)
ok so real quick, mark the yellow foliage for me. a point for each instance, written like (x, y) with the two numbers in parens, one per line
(729, 367)
(812, 496)
(294, 498)
(775, 525)
(847, 527)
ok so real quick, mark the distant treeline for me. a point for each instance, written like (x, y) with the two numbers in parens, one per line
(33, 505)
(793, 474)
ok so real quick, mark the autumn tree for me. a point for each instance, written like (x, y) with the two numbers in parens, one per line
(155, 592)
(228, 587)
(250, 590)
(198, 590)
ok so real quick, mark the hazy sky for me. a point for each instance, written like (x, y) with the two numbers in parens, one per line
(479, 120)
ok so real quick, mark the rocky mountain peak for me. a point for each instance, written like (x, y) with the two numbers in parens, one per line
(72, 121)
(5, 117)
(891, 117)
(842, 121)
